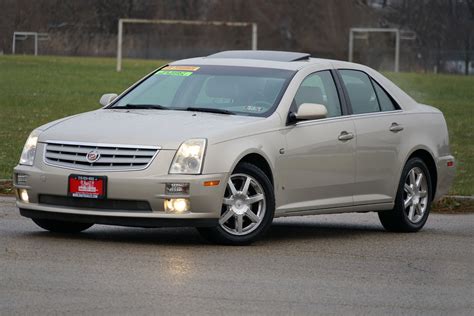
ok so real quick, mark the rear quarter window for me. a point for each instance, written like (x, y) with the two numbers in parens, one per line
(386, 102)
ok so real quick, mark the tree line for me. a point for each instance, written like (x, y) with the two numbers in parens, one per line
(320, 27)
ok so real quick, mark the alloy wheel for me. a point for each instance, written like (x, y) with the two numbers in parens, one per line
(243, 207)
(415, 195)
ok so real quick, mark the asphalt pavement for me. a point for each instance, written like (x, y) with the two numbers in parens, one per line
(337, 264)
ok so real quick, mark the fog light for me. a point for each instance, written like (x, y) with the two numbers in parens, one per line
(176, 205)
(23, 194)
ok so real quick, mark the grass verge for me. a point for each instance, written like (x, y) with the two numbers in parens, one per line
(6, 188)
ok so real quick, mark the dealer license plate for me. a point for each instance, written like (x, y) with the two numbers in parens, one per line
(92, 187)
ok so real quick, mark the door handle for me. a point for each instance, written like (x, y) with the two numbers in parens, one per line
(395, 127)
(345, 136)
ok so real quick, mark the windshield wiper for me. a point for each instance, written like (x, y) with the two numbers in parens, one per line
(142, 106)
(209, 110)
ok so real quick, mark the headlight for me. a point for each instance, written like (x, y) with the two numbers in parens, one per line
(29, 150)
(189, 157)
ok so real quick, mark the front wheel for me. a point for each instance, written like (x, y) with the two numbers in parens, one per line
(247, 209)
(61, 226)
(413, 200)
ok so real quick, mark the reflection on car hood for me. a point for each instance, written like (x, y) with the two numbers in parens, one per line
(167, 129)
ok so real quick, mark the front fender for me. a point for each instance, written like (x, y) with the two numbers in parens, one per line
(223, 157)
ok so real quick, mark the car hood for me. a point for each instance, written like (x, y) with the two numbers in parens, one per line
(167, 129)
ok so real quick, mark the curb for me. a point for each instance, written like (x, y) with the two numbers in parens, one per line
(460, 197)
(7, 198)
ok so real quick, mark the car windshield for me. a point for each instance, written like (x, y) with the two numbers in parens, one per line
(217, 89)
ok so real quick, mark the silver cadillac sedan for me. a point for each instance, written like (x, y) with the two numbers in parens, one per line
(227, 142)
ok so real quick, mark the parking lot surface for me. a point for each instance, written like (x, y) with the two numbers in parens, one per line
(307, 265)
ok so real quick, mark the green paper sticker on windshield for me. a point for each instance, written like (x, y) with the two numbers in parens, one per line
(174, 73)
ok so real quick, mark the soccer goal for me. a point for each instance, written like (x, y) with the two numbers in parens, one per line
(362, 33)
(23, 36)
(252, 25)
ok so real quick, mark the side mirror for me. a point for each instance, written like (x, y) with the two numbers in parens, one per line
(310, 111)
(107, 98)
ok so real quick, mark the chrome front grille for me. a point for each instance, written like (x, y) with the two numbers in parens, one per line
(107, 157)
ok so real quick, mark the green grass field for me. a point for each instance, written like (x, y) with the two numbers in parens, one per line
(36, 90)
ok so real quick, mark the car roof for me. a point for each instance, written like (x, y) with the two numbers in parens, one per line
(250, 58)
(266, 59)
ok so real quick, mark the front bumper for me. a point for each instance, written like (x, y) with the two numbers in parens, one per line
(146, 222)
(145, 185)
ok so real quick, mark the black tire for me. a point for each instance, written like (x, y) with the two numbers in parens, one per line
(220, 236)
(61, 226)
(397, 220)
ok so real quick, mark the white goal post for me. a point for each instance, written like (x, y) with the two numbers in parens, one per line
(21, 36)
(362, 33)
(183, 22)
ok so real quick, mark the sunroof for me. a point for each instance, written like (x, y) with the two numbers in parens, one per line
(262, 55)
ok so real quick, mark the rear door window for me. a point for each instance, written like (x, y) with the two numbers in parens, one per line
(361, 92)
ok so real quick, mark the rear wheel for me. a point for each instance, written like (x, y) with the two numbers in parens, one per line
(247, 209)
(61, 226)
(413, 200)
